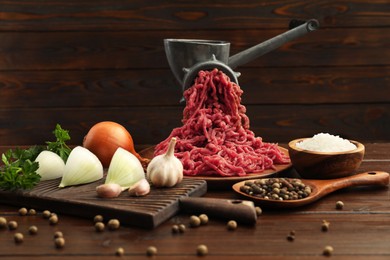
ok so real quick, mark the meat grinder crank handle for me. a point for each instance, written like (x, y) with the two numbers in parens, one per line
(242, 211)
(271, 44)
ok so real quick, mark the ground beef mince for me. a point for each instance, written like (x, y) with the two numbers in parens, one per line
(215, 139)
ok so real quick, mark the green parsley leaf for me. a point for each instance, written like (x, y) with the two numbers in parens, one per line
(19, 169)
(59, 146)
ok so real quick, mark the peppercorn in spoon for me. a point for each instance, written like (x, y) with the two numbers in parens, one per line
(290, 193)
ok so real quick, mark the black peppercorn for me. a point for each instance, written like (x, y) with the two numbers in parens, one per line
(339, 205)
(277, 189)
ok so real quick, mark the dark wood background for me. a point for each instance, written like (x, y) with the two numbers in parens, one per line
(80, 62)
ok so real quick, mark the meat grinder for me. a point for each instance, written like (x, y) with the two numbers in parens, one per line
(186, 57)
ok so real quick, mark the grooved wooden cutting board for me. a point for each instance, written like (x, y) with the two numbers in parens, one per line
(147, 212)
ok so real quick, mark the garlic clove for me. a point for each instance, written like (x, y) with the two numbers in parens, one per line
(51, 165)
(110, 190)
(125, 169)
(81, 167)
(140, 188)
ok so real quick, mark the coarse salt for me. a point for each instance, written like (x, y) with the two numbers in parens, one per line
(324, 142)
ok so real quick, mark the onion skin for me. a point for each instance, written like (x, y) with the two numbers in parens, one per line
(104, 138)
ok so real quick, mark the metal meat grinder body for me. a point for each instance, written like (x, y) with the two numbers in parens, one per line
(186, 57)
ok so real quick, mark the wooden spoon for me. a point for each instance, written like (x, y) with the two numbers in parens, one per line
(321, 188)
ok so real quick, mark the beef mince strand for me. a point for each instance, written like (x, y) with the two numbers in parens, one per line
(215, 138)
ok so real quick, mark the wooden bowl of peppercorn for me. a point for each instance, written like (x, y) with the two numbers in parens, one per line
(325, 165)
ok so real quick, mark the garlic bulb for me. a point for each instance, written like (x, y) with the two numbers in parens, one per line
(81, 167)
(51, 165)
(165, 170)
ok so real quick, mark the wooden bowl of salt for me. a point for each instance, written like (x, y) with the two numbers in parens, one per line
(315, 162)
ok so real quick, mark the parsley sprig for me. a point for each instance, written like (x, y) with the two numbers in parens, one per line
(19, 170)
(19, 167)
(59, 146)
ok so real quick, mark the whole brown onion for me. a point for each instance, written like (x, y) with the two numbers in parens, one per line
(104, 138)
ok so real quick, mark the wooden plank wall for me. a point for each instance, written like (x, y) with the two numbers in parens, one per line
(80, 62)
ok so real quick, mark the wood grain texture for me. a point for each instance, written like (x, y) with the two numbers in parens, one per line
(359, 231)
(122, 88)
(80, 62)
(325, 165)
(319, 188)
(181, 15)
(274, 123)
(82, 201)
(145, 50)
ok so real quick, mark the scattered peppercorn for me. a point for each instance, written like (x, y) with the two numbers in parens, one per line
(18, 238)
(22, 211)
(277, 189)
(151, 251)
(99, 226)
(290, 237)
(59, 242)
(328, 251)
(231, 225)
(12, 225)
(195, 221)
(119, 251)
(113, 224)
(58, 234)
(325, 225)
(33, 230)
(32, 212)
(202, 250)
(46, 214)
(98, 218)
(259, 211)
(204, 219)
(3, 222)
(175, 229)
(339, 205)
(182, 228)
(53, 220)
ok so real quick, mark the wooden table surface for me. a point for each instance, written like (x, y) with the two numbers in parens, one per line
(361, 230)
